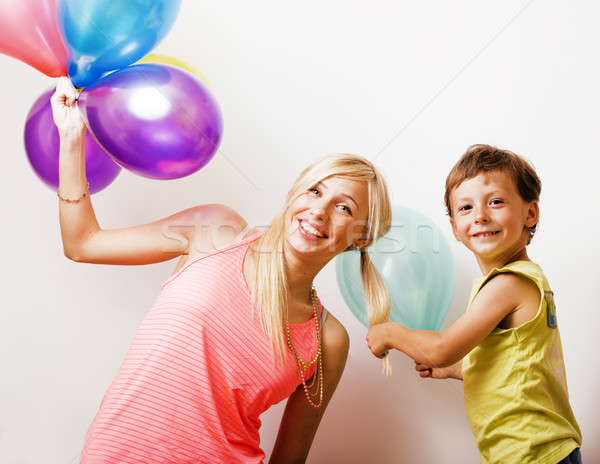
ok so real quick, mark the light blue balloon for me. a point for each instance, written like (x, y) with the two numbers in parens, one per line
(104, 35)
(415, 262)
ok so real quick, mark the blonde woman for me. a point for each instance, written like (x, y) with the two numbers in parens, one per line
(238, 326)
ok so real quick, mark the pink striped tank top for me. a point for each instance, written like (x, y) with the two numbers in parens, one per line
(198, 374)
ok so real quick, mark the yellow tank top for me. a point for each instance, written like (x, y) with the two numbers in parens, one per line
(515, 385)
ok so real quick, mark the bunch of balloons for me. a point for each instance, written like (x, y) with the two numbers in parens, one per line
(415, 262)
(152, 114)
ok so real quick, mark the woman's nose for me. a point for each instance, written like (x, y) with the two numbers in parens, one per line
(319, 210)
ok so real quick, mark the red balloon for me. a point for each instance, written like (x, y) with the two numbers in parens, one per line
(30, 33)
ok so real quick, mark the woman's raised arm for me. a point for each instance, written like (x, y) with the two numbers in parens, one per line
(188, 232)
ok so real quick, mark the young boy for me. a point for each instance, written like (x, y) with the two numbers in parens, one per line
(506, 347)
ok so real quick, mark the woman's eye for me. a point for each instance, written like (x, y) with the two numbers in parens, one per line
(496, 201)
(345, 209)
(314, 191)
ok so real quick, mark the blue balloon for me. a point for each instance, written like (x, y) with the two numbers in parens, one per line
(415, 262)
(102, 36)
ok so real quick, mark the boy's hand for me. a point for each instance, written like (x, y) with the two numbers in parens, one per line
(377, 340)
(430, 372)
(450, 372)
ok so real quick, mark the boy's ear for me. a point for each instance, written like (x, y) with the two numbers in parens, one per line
(454, 229)
(533, 214)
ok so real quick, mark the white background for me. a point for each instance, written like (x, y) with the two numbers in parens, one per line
(409, 85)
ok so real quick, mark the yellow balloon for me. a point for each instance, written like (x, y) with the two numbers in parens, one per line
(167, 59)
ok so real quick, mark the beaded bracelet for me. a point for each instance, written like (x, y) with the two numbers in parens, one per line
(66, 200)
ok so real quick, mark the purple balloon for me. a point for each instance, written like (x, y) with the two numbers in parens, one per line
(156, 120)
(42, 144)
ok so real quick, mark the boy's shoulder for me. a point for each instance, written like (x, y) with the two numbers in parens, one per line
(518, 279)
(515, 291)
(525, 269)
(507, 283)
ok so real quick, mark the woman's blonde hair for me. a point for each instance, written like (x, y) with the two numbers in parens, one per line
(270, 285)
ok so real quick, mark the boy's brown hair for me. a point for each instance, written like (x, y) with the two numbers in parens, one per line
(482, 158)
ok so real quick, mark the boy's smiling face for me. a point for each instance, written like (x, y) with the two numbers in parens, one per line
(491, 219)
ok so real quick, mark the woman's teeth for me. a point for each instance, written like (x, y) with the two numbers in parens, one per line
(311, 230)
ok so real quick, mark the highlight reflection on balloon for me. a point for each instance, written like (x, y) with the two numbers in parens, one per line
(30, 33)
(42, 145)
(415, 262)
(102, 36)
(153, 119)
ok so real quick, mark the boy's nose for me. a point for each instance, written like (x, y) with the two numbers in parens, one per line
(481, 218)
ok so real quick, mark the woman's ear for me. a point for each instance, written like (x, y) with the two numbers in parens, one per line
(533, 214)
(362, 242)
(360, 236)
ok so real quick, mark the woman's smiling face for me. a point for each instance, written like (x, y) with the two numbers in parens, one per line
(328, 217)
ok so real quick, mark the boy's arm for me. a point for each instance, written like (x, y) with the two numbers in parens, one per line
(503, 295)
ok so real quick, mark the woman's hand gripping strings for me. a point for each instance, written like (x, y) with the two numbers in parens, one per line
(66, 115)
(71, 129)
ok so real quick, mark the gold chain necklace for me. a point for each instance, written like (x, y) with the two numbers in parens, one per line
(303, 366)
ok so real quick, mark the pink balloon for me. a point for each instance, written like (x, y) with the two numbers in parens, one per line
(30, 33)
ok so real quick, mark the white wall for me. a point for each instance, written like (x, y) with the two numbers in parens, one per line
(408, 84)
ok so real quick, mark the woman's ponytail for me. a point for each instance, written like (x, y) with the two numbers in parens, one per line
(377, 298)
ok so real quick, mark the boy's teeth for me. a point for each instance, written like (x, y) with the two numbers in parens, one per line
(308, 228)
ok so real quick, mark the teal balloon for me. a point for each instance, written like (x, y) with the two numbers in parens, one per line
(416, 264)
(101, 35)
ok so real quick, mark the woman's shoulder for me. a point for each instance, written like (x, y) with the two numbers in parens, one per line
(215, 214)
(336, 344)
(210, 227)
(335, 334)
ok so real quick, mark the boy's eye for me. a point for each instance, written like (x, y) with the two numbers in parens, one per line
(464, 208)
(496, 201)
